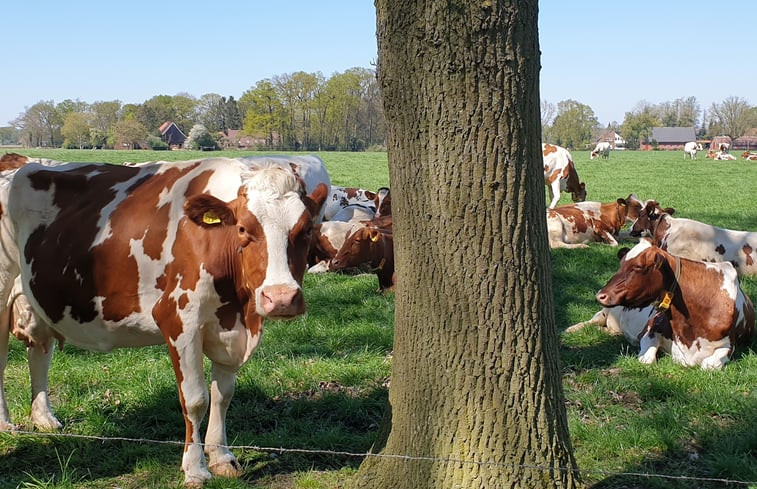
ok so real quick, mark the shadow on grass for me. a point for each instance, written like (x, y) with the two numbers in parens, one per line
(720, 455)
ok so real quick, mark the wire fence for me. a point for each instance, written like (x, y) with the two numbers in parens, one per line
(339, 453)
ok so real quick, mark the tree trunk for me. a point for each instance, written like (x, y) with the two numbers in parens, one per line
(476, 397)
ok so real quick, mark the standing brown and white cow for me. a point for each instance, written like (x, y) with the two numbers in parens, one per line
(699, 312)
(193, 254)
(560, 174)
(574, 225)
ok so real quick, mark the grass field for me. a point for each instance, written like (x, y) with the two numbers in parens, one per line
(320, 382)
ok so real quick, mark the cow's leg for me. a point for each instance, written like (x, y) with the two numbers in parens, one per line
(186, 355)
(39, 358)
(600, 319)
(5, 418)
(649, 345)
(554, 193)
(221, 461)
(717, 360)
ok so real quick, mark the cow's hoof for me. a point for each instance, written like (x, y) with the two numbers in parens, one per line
(47, 423)
(228, 468)
(196, 479)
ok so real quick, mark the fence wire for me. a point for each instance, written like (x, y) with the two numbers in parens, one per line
(340, 453)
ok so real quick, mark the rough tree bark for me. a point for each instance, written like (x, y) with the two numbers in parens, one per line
(476, 384)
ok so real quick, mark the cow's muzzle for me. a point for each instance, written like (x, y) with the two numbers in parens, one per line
(281, 302)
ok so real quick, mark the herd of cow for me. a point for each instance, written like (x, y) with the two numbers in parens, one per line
(677, 290)
(197, 254)
(193, 254)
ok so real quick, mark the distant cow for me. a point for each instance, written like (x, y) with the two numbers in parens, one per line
(602, 149)
(372, 246)
(696, 240)
(193, 254)
(749, 156)
(690, 149)
(699, 311)
(560, 174)
(574, 225)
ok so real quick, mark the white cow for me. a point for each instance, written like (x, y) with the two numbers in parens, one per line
(690, 149)
(601, 149)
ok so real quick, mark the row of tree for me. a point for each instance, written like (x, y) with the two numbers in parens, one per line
(299, 110)
(573, 124)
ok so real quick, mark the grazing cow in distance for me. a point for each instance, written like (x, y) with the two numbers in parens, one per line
(574, 225)
(193, 254)
(602, 149)
(696, 240)
(699, 313)
(369, 245)
(560, 174)
(690, 149)
(749, 156)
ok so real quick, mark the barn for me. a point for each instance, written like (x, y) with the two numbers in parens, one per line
(669, 138)
(172, 135)
(718, 140)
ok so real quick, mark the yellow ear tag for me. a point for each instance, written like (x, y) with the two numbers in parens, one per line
(210, 218)
(375, 238)
(666, 301)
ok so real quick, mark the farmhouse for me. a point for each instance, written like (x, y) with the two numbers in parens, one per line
(236, 139)
(172, 135)
(669, 138)
(612, 137)
(747, 141)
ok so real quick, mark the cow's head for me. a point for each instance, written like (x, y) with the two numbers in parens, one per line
(580, 194)
(383, 201)
(268, 228)
(649, 218)
(640, 279)
(361, 246)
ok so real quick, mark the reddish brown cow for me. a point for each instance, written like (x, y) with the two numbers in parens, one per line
(749, 156)
(372, 246)
(11, 161)
(701, 312)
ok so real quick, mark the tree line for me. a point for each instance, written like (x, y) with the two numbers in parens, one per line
(574, 125)
(295, 111)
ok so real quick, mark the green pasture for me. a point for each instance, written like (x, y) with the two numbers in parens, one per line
(319, 383)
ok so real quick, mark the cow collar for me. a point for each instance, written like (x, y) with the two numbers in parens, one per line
(380, 265)
(663, 304)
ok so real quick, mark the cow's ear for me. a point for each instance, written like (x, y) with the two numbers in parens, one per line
(375, 235)
(622, 202)
(623, 252)
(207, 211)
(659, 261)
(315, 200)
(669, 210)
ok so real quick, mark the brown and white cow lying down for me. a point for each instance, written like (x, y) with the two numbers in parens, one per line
(194, 254)
(749, 156)
(694, 310)
(369, 245)
(574, 225)
(696, 240)
(560, 174)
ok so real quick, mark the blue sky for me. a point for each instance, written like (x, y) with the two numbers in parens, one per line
(604, 56)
